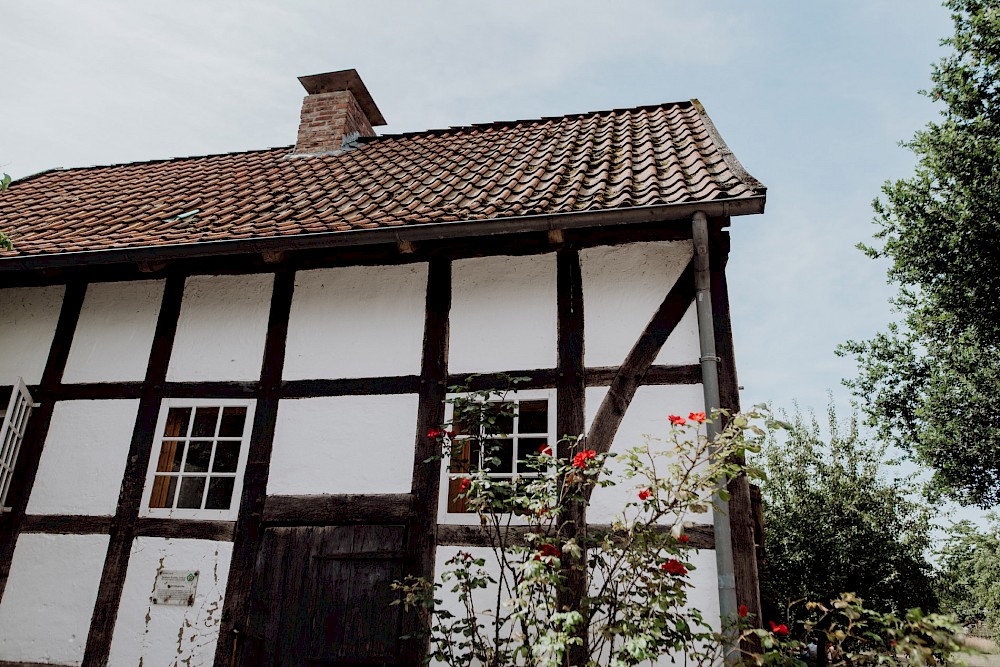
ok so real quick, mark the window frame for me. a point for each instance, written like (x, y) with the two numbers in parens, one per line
(18, 407)
(158, 437)
(471, 518)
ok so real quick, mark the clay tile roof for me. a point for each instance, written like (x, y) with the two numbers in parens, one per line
(648, 156)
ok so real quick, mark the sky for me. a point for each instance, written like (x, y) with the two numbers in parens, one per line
(813, 98)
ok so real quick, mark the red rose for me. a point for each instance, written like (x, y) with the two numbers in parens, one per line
(675, 567)
(645, 494)
(434, 433)
(697, 417)
(743, 611)
(676, 420)
(464, 485)
(548, 551)
(544, 450)
(683, 538)
(581, 458)
(778, 629)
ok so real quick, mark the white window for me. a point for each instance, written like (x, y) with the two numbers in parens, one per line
(528, 430)
(199, 456)
(15, 422)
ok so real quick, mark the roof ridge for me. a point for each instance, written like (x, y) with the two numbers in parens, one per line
(471, 127)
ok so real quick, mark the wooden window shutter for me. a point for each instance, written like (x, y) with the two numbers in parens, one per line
(15, 423)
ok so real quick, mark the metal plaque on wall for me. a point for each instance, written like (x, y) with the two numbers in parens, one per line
(176, 587)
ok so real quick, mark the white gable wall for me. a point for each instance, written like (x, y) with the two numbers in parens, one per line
(622, 288)
(503, 314)
(47, 605)
(148, 634)
(84, 458)
(344, 444)
(357, 321)
(115, 332)
(222, 327)
(28, 317)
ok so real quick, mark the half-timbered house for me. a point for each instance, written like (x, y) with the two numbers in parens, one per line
(219, 372)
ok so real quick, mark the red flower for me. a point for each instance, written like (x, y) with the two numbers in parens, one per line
(697, 417)
(676, 420)
(581, 458)
(548, 551)
(645, 494)
(434, 433)
(464, 485)
(675, 567)
(778, 629)
(683, 538)
(743, 611)
(544, 450)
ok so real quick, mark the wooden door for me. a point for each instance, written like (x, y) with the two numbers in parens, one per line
(322, 597)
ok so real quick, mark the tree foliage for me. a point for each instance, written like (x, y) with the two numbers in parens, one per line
(931, 384)
(835, 524)
(968, 584)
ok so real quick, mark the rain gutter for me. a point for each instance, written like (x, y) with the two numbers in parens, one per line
(710, 383)
(410, 233)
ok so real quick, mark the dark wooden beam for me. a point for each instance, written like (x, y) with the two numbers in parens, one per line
(700, 536)
(26, 467)
(633, 372)
(570, 423)
(656, 375)
(384, 508)
(741, 518)
(220, 531)
(426, 482)
(403, 384)
(122, 530)
(66, 524)
(249, 530)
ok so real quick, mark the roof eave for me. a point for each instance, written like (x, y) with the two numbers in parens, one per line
(423, 232)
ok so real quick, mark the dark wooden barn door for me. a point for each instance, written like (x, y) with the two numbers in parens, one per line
(322, 597)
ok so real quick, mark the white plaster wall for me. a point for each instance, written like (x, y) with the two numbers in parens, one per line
(646, 415)
(503, 314)
(222, 327)
(49, 600)
(28, 317)
(622, 288)
(115, 332)
(160, 635)
(344, 444)
(82, 463)
(356, 321)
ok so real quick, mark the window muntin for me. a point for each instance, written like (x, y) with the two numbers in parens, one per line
(526, 432)
(198, 459)
(12, 429)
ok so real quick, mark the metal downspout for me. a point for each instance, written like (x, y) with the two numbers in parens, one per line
(710, 383)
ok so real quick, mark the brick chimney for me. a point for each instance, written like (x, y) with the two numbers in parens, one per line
(337, 110)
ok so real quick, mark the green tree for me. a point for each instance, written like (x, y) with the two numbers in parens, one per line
(835, 523)
(968, 584)
(931, 384)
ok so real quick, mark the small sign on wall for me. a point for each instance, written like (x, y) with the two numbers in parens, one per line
(176, 587)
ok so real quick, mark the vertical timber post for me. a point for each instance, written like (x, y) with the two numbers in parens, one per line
(570, 396)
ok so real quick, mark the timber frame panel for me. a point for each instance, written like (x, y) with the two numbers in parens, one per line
(418, 509)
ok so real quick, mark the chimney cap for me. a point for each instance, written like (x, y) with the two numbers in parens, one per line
(347, 79)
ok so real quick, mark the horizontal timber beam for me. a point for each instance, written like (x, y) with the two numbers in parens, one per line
(334, 509)
(700, 536)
